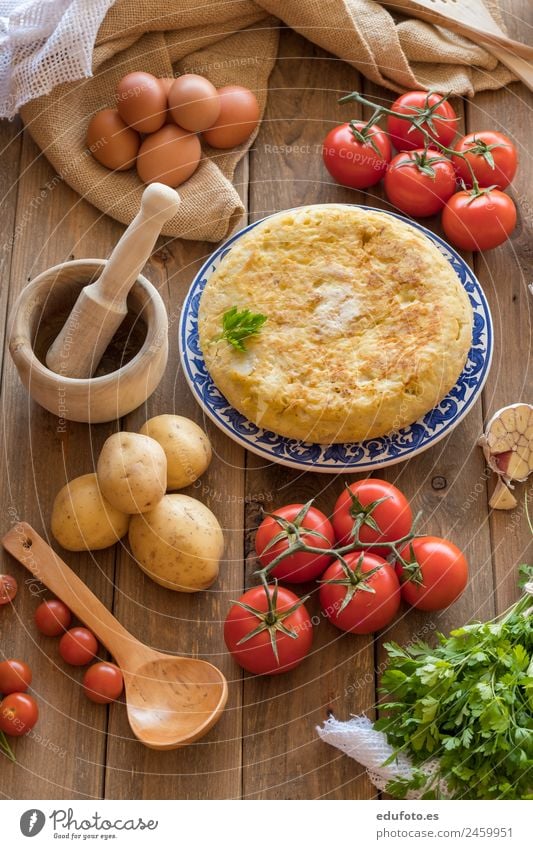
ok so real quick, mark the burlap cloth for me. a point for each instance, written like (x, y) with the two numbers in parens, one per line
(235, 41)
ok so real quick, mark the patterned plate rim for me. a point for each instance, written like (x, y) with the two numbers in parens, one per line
(332, 467)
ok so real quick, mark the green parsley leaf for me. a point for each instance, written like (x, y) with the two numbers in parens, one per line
(238, 325)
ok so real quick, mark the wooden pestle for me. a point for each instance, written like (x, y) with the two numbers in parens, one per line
(102, 305)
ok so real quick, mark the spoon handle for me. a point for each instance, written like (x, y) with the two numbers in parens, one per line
(37, 557)
(464, 21)
(521, 67)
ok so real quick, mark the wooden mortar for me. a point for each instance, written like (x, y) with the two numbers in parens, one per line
(132, 365)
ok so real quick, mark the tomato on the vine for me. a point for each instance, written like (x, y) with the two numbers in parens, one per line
(274, 535)
(78, 646)
(492, 156)
(18, 714)
(361, 597)
(478, 222)
(15, 676)
(435, 575)
(437, 117)
(268, 630)
(52, 617)
(419, 182)
(356, 157)
(376, 510)
(103, 683)
(8, 589)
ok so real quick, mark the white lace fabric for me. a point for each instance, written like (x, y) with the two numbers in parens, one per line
(357, 738)
(44, 43)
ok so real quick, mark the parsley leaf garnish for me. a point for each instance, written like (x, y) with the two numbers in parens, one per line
(238, 325)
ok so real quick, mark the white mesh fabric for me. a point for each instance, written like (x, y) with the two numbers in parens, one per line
(44, 43)
(357, 739)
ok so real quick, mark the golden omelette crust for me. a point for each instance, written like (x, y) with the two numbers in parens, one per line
(368, 325)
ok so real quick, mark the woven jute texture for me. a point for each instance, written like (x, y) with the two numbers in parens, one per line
(235, 41)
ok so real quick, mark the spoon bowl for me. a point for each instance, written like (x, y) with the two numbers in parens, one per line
(167, 696)
(171, 700)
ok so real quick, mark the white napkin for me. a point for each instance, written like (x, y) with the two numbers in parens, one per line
(44, 43)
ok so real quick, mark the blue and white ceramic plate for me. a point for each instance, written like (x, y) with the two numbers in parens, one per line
(349, 456)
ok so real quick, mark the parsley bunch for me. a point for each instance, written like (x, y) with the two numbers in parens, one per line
(468, 704)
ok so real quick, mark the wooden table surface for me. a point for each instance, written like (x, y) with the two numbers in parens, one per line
(265, 745)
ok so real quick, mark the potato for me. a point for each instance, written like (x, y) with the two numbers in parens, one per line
(132, 472)
(178, 544)
(82, 519)
(186, 445)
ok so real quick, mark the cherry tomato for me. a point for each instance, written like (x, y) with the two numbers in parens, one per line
(389, 520)
(52, 617)
(78, 646)
(271, 649)
(478, 223)
(419, 183)
(493, 158)
(436, 576)
(441, 126)
(355, 158)
(368, 597)
(103, 683)
(15, 676)
(302, 566)
(8, 589)
(18, 714)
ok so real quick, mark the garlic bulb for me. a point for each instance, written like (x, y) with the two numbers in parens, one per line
(508, 448)
(502, 498)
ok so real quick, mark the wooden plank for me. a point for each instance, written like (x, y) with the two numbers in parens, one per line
(62, 757)
(448, 482)
(179, 622)
(505, 273)
(442, 482)
(282, 756)
(10, 151)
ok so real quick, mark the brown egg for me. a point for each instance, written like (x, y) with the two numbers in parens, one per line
(239, 116)
(167, 82)
(111, 141)
(169, 156)
(142, 102)
(194, 103)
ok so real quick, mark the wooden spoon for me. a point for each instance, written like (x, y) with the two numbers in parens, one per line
(523, 68)
(171, 701)
(466, 17)
(102, 306)
(472, 19)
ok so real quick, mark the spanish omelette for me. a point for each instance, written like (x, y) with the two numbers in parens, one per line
(368, 326)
